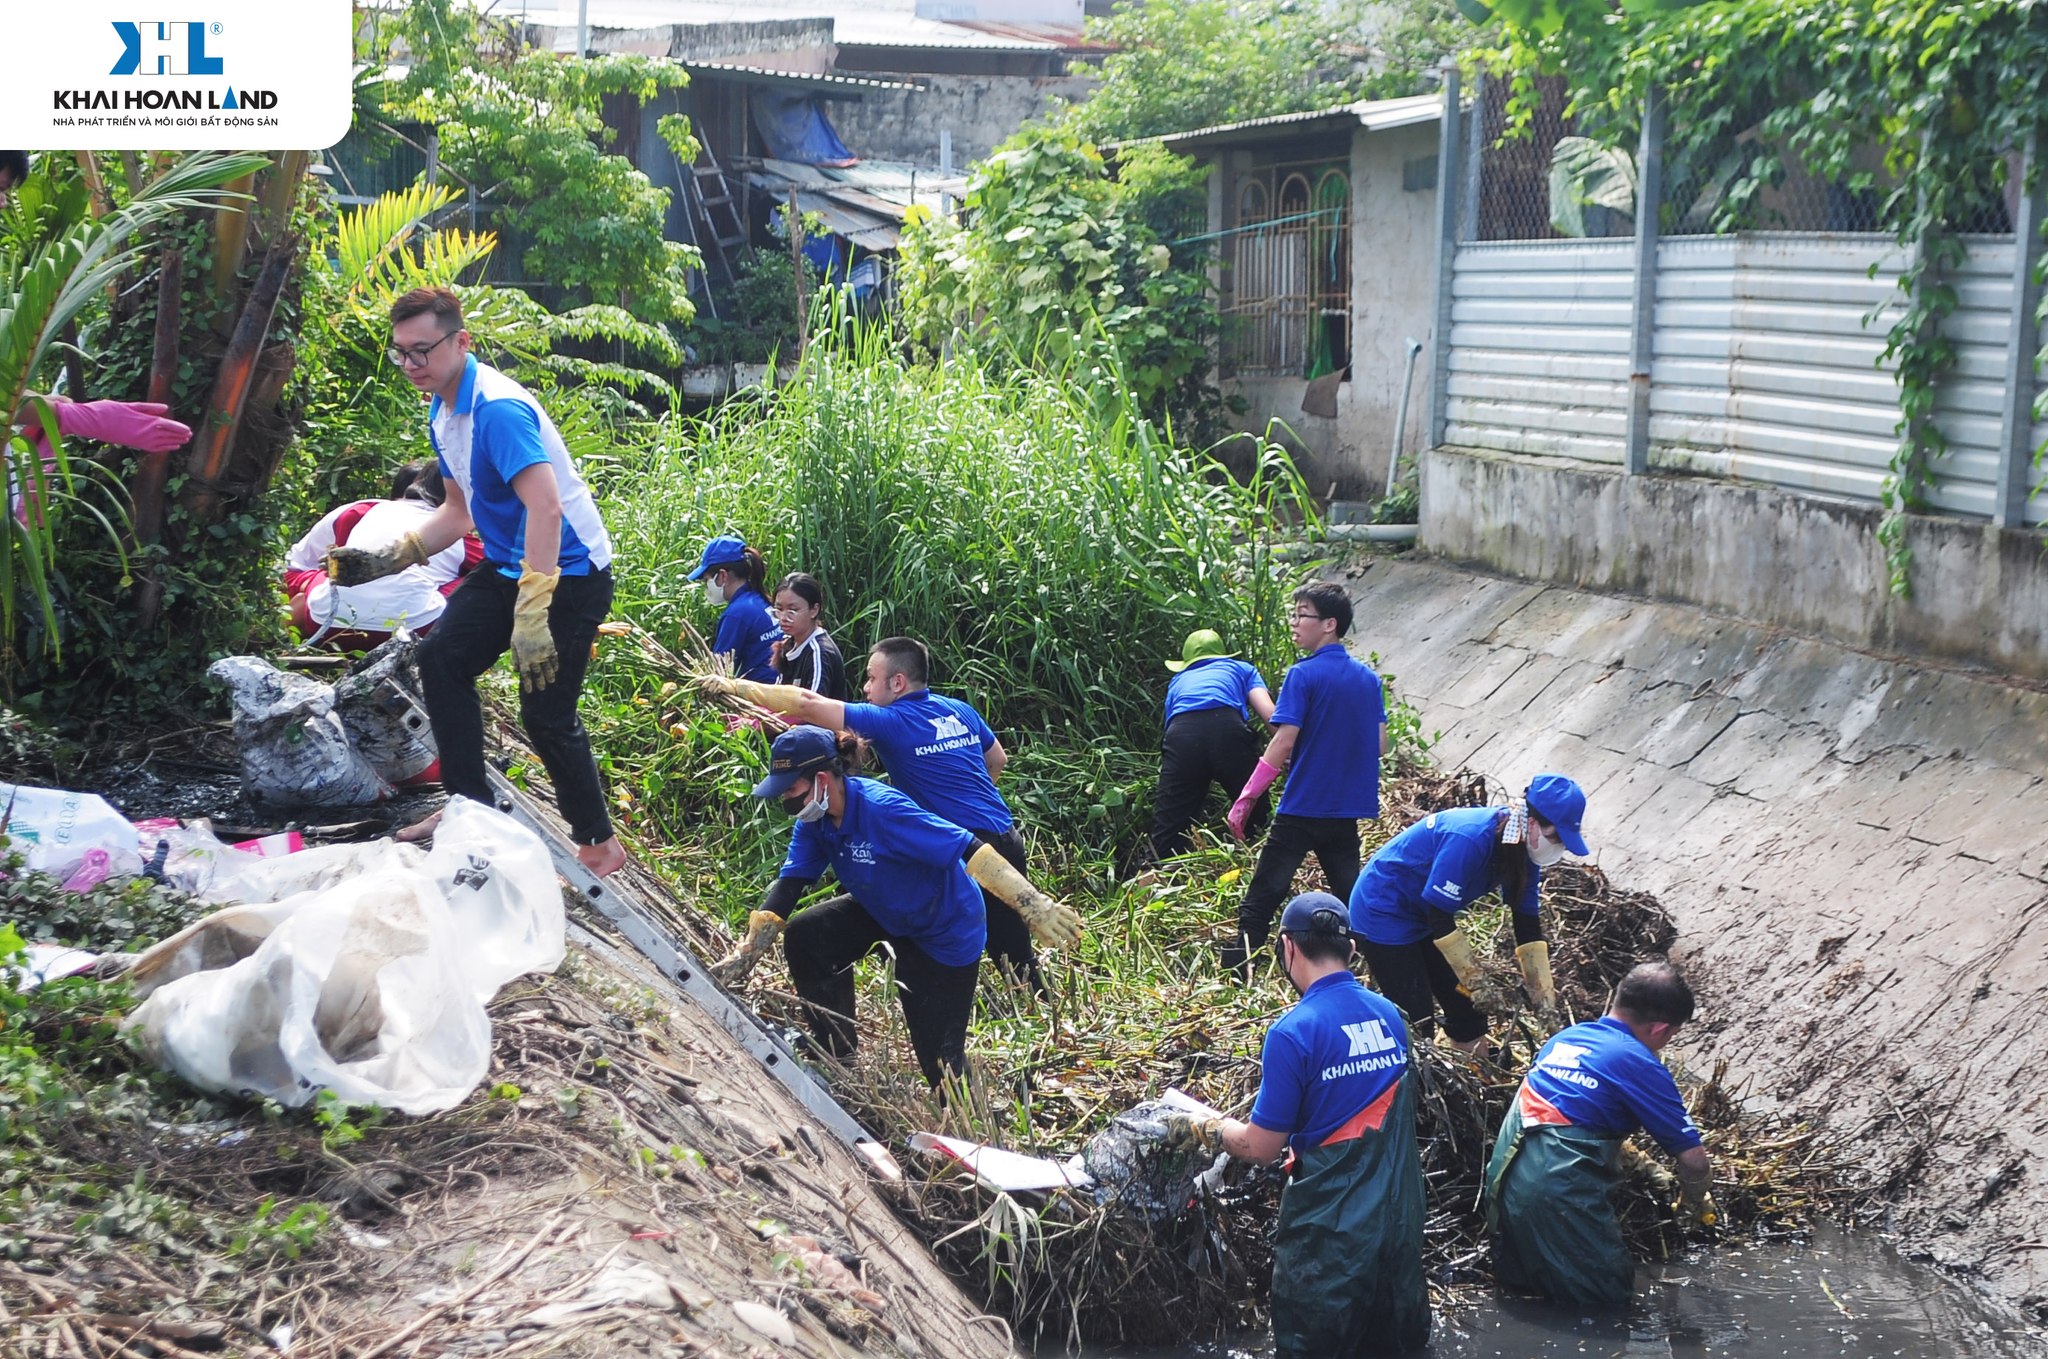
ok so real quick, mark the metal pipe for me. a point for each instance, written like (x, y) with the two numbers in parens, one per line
(582, 28)
(1401, 420)
(1448, 176)
(1643, 323)
(2009, 491)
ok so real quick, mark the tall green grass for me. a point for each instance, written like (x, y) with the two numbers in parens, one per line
(1046, 541)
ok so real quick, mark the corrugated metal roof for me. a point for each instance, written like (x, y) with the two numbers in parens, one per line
(862, 23)
(1375, 115)
(865, 203)
(806, 77)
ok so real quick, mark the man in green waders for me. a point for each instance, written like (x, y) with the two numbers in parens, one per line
(1560, 1148)
(1336, 1093)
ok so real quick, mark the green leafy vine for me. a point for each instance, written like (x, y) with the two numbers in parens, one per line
(1945, 90)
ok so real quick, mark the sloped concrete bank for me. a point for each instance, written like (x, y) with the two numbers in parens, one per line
(1855, 849)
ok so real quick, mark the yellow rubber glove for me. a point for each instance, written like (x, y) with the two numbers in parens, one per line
(1697, 1208)
(1485, 994)
(360, 566)
(776, 698)
(533, 646)
(1051, 924)
(1185, 1132)
(1534, 959)
(763, 929)
(1638, 1164)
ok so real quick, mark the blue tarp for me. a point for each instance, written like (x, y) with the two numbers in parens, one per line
(794, 128)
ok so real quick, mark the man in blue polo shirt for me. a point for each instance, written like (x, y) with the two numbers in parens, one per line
(1559, 1151)
(1205, 740)
(1331, 724)
(937, 750)
(542, 589)
(1336, 1093)
(911, 883)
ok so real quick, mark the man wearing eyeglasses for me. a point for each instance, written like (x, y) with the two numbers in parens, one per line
(544, 585)
(1329, 731)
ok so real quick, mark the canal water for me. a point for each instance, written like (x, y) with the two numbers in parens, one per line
(1843, 1295)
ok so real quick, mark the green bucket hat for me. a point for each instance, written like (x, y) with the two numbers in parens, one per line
(1201, 645)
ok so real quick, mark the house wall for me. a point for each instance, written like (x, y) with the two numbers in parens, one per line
(980, 111)
(1393, 253)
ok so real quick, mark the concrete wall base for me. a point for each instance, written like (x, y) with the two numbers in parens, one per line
(1853, 848)
(1808, 563)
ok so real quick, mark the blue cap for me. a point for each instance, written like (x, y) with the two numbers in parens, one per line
(1562, 803)
(719, 552)
(796, 752)
(1315, 913)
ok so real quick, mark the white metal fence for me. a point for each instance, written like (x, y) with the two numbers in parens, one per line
(1756, 355)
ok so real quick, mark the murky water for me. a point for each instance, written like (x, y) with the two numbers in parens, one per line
(1845, 1295)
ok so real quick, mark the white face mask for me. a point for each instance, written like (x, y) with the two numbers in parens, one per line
(714, 593)
(819, 804)
(1543, 851)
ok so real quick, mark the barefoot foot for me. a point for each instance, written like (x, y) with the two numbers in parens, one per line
(603, 859)
(419, 830)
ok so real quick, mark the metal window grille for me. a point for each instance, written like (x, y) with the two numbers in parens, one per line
(1288, 275)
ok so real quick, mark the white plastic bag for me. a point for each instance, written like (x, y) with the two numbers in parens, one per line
(367, 974)
(53, 830)
(295, 751)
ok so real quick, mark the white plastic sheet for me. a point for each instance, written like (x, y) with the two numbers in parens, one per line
(360, 969)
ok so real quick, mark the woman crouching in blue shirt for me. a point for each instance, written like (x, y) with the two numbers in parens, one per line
(1406, 904)
(733, 575)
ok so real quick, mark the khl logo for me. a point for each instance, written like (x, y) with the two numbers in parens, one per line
(1367, 1038)
(165, 49)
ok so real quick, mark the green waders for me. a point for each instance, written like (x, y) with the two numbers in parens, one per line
(1347, 1254)
(1554, 1230)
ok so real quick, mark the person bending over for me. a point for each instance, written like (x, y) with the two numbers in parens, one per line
(1558, 1156)
(910, 885)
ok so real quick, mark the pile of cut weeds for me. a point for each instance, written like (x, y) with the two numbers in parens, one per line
(1142, 1006)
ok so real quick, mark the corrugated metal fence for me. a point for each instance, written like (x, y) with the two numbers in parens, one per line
(1764, 358)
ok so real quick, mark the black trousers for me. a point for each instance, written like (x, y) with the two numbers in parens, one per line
(1009, 938)
(1334, 842)
(1209, 746)
(476, 629)
(1418, 978)
(822, 944)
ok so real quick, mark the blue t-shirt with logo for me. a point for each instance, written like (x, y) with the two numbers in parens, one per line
(1336, 701)
(1443, 862)
(933, 749)
(747, 633)
(1602, 1078)
(903, 864)
(1215, 682)
(1334, 1053)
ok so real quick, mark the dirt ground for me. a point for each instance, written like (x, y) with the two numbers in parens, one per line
(1852, 847)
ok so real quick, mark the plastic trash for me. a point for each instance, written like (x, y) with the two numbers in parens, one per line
(360, 969)
(295, 751)
(54, 831)
(387, 727)
(193, 859)
(1129, 1160)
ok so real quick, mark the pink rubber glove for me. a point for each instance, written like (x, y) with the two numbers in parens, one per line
(144, 425)
(1254, 787)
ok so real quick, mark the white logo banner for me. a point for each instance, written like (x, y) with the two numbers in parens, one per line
(178, 75)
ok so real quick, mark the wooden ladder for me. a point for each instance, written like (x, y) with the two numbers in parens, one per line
(711, 198)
